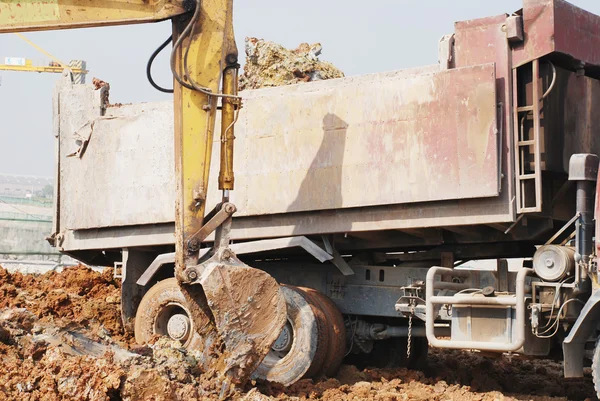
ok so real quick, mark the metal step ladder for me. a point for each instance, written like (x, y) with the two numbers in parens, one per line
(529, 181)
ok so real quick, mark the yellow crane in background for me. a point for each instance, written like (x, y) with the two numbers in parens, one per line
(77, 67)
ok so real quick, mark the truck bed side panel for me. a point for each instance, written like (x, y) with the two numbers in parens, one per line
(373, 141)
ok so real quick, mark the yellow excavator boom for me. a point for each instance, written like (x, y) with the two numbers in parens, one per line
(27, 16)
(247, 305)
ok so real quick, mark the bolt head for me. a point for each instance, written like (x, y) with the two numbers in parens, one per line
(231, 58)
(192, 275)
(230, 208)
(193, 245)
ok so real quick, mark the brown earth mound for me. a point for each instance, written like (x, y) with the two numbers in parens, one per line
(61, 339)
(269, 64)
(78, 297)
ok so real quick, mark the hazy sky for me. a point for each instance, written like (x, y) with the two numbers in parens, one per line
(358, 37)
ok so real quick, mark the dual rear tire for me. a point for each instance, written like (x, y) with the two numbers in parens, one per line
(317, 338)
(311, 345)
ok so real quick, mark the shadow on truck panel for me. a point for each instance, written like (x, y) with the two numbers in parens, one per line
(324, 175)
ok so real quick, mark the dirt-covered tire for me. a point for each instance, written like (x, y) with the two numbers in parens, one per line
(336, 331)
(155, 312)
(300, 351)
(322, 333)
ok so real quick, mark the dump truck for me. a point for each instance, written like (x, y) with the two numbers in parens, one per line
(367, 197)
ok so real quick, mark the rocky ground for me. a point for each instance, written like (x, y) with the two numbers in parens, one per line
(61, 339)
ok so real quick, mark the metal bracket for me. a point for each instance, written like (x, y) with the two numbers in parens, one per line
(562, 230)
(219, 216)
(411, 302)
(118, 270)
(246, 248)
(514, 29)
(338, 261)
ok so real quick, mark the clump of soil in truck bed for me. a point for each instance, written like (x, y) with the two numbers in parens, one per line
(61, 339)
(270, 64)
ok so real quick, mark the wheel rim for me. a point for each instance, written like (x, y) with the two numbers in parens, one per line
(283, 344)
(173, 321)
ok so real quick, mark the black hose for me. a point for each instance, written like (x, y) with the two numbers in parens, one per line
(151, 61)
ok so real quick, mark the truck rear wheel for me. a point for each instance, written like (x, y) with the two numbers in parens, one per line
(300, 350)
(163, 312)
(336, 332)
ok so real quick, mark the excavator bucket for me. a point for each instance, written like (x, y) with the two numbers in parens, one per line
(249, 312)
(246, 307)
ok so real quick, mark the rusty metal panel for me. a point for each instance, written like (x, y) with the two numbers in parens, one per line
(482, 41)
(125, 175)
(558, 26)
(368, 141)
(390, 153)
(569, 124)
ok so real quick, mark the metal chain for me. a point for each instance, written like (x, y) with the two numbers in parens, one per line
(410, 318)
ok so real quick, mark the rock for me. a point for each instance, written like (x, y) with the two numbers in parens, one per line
(362, 389)
(15, 322)
(255, 395)
(147, 384)
(112, 300)
(269, 64)
(440, 387)
(4, 335)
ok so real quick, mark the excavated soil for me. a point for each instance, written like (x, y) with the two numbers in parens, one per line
(77, 297)
(61, 339)
(269, 64)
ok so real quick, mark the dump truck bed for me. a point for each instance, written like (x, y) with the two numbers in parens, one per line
(454, 153)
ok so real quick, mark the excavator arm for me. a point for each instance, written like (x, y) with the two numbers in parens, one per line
(245, 306)
(27, 16)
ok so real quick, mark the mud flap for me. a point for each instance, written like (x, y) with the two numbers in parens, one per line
(574, 344)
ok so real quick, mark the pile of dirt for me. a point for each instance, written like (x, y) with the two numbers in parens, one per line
(44, 363)
(77, 297)
(270, 64)
(449, 375)
(61, 339)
